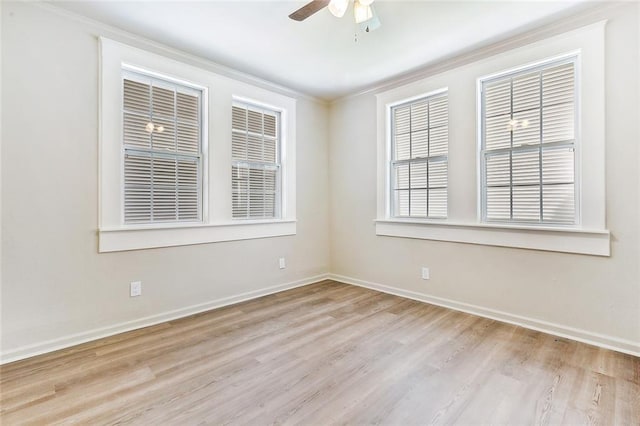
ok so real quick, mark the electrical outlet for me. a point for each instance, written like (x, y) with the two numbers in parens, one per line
(425, 273)
(135, 288)
(282, 263)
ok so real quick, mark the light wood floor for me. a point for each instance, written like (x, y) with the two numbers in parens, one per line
(324, 354)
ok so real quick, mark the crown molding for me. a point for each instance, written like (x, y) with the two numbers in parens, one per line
(141, 42)
(569, 20)
(533, 33)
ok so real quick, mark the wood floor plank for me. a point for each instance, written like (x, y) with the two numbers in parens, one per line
(327, 353)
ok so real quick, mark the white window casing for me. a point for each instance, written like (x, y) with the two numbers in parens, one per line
(162, 142)
(571, 217)
(255, 168)
(126, 218)
(528, 141)
(418, 160)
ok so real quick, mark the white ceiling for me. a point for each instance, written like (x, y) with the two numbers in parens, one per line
(319, 56)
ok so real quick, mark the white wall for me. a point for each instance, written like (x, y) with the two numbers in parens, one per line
(56, 288)
(593, 298)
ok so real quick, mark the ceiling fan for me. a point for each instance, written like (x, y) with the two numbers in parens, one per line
(363, 12)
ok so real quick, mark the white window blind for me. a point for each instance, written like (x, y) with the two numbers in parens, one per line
(528, 145)
(162, 150)
(255, 169)
(419, 149)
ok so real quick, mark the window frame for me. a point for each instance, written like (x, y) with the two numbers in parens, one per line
(463, 225)
(390, 156)
(217, 224)
(565, 58)
(393, 162)
(137, 73)
(280, 114)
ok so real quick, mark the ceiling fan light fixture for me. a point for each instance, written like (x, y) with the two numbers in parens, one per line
(338, 7)
(372, 24)
(361, 12)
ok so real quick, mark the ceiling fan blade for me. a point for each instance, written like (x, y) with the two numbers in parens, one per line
(309, 9)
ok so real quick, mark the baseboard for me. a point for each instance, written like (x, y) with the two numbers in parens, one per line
(604, 341)
(607, 342)
(87, 336)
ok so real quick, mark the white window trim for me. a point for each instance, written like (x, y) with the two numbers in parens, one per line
(567, 240)
(281, 150)
(217, 224)
(573, 57)
(390, 147)
(130, 71)
(123, 238)
(464, 224)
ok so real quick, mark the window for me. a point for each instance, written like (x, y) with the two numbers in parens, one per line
(255, 169)
(419, 147)
(162, 150)
(166, 139)
(528, 145)
(536, 178)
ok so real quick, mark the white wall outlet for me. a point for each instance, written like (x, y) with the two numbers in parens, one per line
(282, 263)
(135, 288)
(425, 273)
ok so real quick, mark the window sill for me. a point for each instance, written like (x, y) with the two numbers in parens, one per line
(566, 240)
(153, 236)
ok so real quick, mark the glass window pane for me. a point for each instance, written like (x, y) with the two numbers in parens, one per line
(438, 141)
(437, 203)
(526, 203)
(402, 176)
(559, 203)
(525, 168)
(438, 174)
(402, 202)
(497, 132)
(420, 144)
(558, 165)
(418, 175)
(498, 170)
(526, 92)
(418, 203)
(526, 128)
(498, 203)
